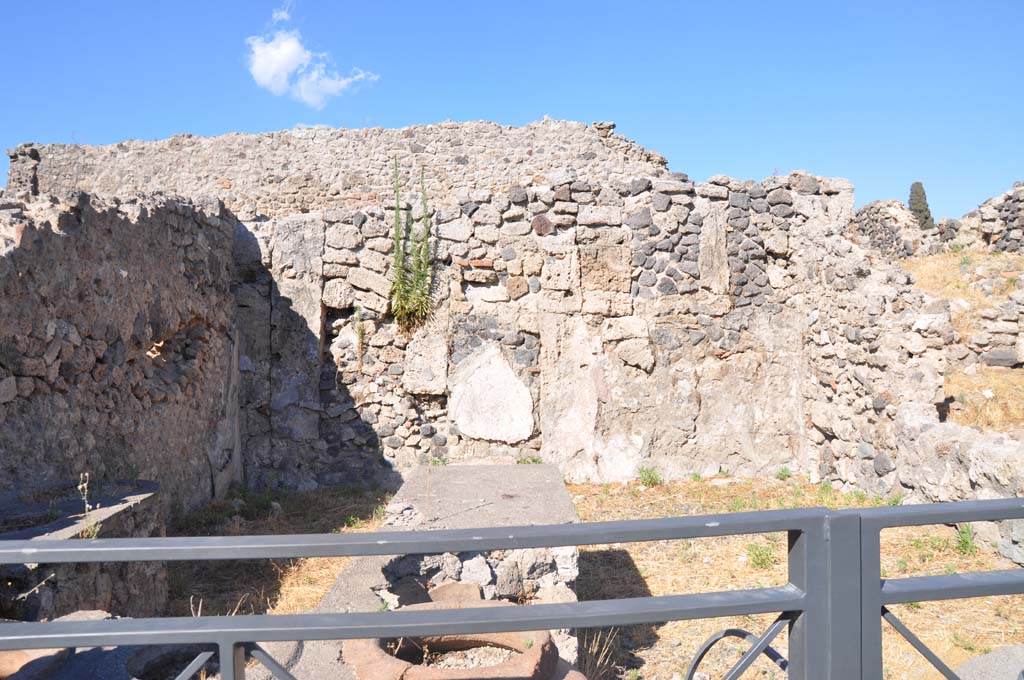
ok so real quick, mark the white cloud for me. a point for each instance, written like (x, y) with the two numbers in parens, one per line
(281, 14)
(273, 62)
(283, 65)
(316, 84)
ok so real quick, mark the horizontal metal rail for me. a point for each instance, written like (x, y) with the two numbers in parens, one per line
(403, 542)
(941, 513)
(834, 596)
(595, 613)
(953, 586)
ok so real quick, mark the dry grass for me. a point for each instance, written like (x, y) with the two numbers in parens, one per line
(267, 586)
(941, 275)
(956, 630)
(598, 650)
(992, 398)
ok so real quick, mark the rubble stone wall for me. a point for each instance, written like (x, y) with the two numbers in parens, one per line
(889, 226)
(594, 310)
(117, 344)
(997, 338)
(999, 222)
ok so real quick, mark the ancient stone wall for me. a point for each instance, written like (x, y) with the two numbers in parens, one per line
(582, 281)
(593, 309)
(996, 337)
(999, 222)
(889, 226)
(44, 592)
(296, 171)
(117, 344)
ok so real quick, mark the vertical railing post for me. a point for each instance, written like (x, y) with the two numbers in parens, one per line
(824, 562)
(871, 599)
(807, 634)
(845, 591)
(231, 657)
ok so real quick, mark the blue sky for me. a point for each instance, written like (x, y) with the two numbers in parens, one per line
(884, 93)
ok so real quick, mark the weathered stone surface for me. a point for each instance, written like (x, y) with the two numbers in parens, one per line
(456, 593)
(636, 353)
(488, 401)
(517, 287)
(1001, 664)
(606, 303)
(779, 197)
(343, 236)
(509, 582)
(569, 401)
(883, 464)
(713, 260)
(782, 335)
(8, 389)
(118, 343)
(990, 460)
(561, 272)
(476, 570)
(605, 268)
(366, 280)
(338, 294)
(888, 226)
(591, 215)
(1000, 357)
(426, 359)
(777, 244)
(625, 328)
(712, 191)
(542, 226)
(458, 230)
(297, 319)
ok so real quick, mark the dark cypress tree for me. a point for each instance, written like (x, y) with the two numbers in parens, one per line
(919, 206)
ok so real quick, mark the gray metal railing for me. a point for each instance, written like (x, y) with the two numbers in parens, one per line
(833, 604)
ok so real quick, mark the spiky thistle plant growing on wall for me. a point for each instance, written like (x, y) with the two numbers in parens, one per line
(422, 270)
(399, 236)
(412, 283)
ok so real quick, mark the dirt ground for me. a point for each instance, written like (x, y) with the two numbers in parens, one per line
(214, 588)
(956, 630)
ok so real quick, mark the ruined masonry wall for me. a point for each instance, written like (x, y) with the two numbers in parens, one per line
(997, 335)
(117, 345)
(889, 226)
(594, 310)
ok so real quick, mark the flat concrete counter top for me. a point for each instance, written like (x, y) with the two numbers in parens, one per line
(467, 496)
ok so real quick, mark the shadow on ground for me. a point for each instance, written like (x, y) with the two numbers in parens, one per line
(608, 574)
(257, 586)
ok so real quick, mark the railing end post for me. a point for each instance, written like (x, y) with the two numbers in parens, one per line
(231, 656)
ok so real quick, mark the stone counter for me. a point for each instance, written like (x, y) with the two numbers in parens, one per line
(453, 497)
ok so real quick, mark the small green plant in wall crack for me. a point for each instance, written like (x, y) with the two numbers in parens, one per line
(412, 264)
(92, 529)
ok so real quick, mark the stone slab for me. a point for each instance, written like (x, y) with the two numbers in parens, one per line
(448, 497)
(488, 400)
(467, 496)
(1003, 664)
